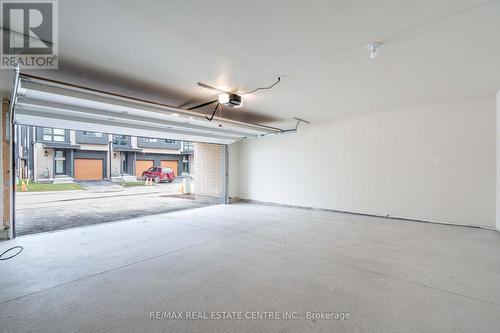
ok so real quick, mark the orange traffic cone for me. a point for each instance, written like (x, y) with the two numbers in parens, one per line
(24, 188)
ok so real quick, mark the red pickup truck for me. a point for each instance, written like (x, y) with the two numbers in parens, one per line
(159, 174)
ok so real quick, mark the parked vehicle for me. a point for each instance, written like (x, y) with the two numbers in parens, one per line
(159, 174)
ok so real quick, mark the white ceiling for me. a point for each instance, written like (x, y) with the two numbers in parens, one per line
(434, 51)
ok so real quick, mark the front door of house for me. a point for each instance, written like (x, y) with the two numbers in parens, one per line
(60, 162)
(124, 163)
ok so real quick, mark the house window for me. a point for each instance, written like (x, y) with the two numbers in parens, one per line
(93, 134)
(120, 140)
(155, 140)
(54, 134)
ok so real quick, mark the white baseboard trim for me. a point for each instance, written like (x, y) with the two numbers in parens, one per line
(267, 203)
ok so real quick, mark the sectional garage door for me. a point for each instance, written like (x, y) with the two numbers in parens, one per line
(171, 164)
(88, 169)
(141, 166)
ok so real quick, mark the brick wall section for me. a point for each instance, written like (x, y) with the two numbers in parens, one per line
(207, 170)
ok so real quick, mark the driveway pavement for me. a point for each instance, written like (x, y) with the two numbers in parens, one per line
(101, 185)
(47, 211)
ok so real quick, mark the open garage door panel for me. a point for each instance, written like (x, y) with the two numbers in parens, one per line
(50, 104)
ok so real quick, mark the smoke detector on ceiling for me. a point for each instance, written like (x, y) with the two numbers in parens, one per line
(372, 48)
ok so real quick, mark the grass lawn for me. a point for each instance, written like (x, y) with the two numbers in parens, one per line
(38, 187)
(130, 184)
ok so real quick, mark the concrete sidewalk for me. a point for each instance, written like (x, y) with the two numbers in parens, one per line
(30, 198)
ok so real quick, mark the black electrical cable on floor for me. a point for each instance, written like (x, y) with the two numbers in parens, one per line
(12, 256)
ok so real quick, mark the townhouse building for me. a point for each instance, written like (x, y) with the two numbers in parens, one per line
(59, 155)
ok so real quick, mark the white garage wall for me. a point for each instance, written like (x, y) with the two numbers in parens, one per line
(432, 163)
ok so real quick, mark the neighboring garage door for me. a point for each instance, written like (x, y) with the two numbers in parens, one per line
(88, 169)
(141, 166)
(170, 164)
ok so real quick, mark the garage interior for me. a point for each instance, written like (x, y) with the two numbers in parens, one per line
(348, 177)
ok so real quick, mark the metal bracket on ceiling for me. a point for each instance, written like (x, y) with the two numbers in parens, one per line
(290, 130)
(294, 130)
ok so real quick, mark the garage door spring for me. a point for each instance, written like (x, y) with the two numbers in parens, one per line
(19, 248)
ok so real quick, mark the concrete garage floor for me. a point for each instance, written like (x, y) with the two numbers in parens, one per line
(100, 202)
(390, 275)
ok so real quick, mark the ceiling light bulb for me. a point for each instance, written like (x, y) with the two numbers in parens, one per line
(223, 98)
